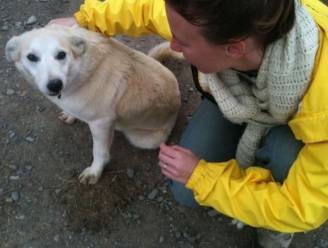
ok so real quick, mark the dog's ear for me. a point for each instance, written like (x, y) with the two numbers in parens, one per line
(79, 45)
(12, 49)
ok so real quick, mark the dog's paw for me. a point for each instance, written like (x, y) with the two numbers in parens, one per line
(240, 225)
(89, 176)
(66, 118)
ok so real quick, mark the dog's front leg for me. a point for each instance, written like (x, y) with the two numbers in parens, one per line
(102, 136)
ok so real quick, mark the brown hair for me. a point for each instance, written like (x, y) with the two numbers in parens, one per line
(223, 21)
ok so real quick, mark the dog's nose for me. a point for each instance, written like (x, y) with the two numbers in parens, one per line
(55, 86)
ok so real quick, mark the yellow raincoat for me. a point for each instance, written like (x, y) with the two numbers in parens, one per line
(251, 195)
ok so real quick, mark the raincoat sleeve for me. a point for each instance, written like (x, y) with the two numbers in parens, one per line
(131, 17)
(252, 196)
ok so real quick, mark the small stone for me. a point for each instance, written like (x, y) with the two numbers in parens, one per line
(152, 194)
(29, 139)
(130, 172)
(161, 239)
(212, 213)
(10, 92)
(56, 238)
(163, 188)
(4, 125)
(12, 134)
(15, 196)
(14, 178)
(20, 217)
(4, 28)
(13, 167)
(18, 24)
(29, 167)
(31, 20)
(40, 108)
(177, 235)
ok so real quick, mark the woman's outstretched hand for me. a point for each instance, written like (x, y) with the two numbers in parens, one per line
(177, 163)
(66, 21)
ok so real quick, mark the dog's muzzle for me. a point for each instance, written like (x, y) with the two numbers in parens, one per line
(55, 86)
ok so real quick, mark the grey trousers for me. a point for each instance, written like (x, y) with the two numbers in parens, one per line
(213, 138)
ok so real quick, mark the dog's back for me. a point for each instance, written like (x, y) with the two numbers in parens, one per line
(144, 94)
(101, 82)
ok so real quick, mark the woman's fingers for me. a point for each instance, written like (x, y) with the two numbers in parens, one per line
(66, 21)
(165, 158)
(177, 163)
(182, 149)
(167, 170)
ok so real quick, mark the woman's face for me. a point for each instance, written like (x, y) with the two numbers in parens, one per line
(187, 39)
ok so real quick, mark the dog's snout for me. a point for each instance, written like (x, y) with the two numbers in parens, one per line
(55, 86)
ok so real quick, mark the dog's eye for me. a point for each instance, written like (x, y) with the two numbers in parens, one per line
(61, 55)
(31, 57)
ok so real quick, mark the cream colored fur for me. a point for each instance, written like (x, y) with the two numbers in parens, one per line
(104, 83)
(163, 51)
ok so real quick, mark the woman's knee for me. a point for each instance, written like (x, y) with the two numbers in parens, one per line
(183, 195)
(210, 135)
(278, 151)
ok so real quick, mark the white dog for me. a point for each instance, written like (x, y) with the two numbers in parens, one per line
(102, 82)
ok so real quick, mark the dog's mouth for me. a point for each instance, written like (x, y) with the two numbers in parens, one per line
(58, 94)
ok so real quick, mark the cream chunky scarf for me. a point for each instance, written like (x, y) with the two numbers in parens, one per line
(274, 96)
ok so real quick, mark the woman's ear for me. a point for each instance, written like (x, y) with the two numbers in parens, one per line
(236, 49)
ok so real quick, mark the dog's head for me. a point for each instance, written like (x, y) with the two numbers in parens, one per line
(47, 57)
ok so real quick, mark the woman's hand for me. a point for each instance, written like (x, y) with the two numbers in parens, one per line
(66, 21)
(177, 163)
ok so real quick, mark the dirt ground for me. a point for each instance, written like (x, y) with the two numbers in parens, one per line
(42, 204)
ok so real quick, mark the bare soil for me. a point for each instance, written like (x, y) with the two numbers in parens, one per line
(42, 204)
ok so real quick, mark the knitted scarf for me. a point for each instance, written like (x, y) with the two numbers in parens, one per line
(273, 97)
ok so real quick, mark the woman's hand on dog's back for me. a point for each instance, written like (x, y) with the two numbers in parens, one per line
(66, 21)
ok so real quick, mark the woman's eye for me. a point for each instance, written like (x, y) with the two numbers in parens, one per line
(61, 55)
(31, 57)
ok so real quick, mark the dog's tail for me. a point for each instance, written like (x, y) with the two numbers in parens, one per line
(163, 51)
